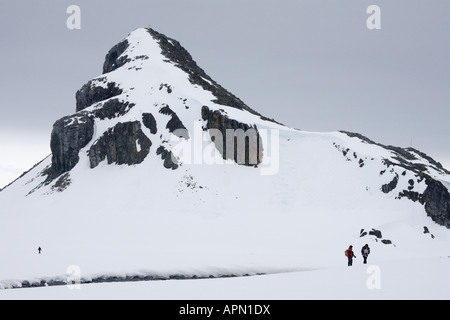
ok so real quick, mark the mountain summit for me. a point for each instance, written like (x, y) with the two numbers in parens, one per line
(149, 82)
(161, 170)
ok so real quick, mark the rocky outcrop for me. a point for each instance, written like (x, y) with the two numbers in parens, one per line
(62, 182)
(72, 133)
(377, 234)
(238, 141)
(435, 198)
(114, 58)
(404, 156)
(437, 202)
(125, 143)
(169, 160)
(69, 135)
(91, 93)
(150, 122)
(174, 124)
(386, 188)
(112, 108)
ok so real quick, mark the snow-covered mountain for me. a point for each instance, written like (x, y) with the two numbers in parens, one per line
(163, 172)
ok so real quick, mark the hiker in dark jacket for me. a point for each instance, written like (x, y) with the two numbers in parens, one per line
(350, 255)
(365, 251)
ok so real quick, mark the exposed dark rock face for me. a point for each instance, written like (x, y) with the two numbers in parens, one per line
(412, 195)
(70, 134)
(111, 109)
(234, 134)
(90, 94)
(113, 59)
(125, 143)
(427, 231)
(411, 184)
(436, 199)
(74, 132)
(174, 123)
(376, 233)
(62, 183)
(386, 188)
(167, 156)
(149, 121)
(165, 85)
(437, 202)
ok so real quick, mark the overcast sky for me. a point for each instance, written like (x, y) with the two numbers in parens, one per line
(312, 64)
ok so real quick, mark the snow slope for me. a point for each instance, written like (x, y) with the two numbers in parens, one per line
(298, 210)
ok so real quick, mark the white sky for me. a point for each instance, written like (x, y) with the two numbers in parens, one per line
(309, 64)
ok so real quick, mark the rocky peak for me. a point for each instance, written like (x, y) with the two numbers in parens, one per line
(152, 90)
(155, 73)
(178, 55)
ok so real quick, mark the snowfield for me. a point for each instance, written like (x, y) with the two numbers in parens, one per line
(290, 218)
(293, 226)
(411, 279)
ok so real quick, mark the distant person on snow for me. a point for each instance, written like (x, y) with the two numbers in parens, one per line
(350, 255)
(365, 251)
(39, 250)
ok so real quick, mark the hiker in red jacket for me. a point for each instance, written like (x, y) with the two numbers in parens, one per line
(350, 255)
